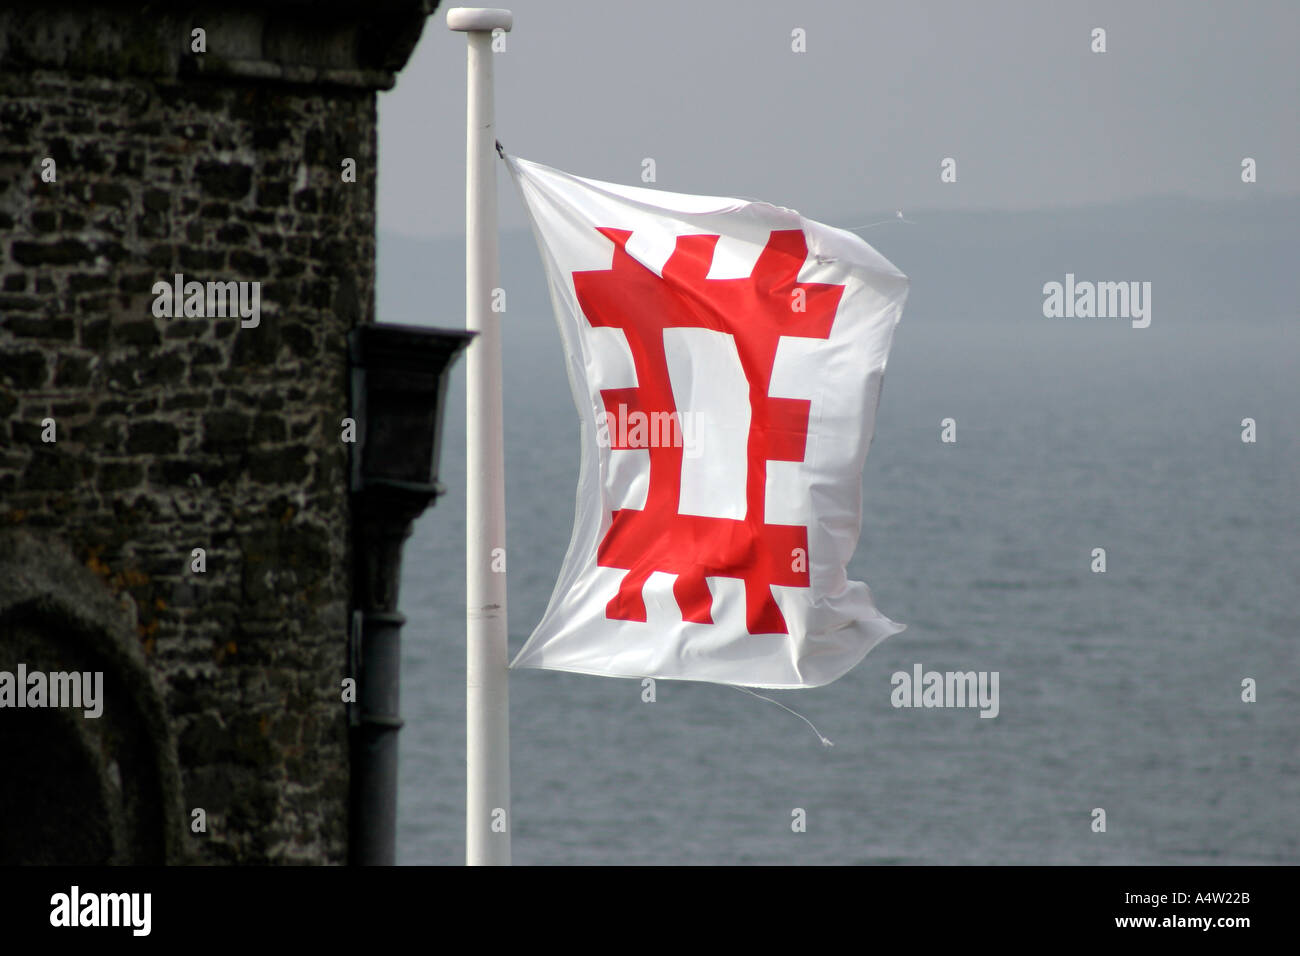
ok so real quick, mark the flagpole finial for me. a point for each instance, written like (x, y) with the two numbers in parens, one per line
(472, 19)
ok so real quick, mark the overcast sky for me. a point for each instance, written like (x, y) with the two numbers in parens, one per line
(860, 122)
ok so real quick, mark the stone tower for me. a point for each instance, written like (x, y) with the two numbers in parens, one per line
(174, 506)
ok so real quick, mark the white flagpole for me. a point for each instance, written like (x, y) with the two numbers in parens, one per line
(487, 700)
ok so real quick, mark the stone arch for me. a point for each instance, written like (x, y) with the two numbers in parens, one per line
(78, 789)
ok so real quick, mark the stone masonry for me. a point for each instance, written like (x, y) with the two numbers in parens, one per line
(173, 434)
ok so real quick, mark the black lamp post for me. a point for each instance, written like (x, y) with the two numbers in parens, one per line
(399, 378)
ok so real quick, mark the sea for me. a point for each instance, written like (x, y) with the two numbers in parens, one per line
(1121, 691)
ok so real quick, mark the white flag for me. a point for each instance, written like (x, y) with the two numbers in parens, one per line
(726, 359)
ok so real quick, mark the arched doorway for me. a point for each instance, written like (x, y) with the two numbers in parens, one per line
(76, 788)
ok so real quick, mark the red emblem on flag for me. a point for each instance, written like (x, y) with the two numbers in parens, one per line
(757, 311)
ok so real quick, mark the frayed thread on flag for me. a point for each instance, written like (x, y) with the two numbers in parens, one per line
(826, 741)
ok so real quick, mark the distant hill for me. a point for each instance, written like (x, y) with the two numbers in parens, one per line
(1227, 261)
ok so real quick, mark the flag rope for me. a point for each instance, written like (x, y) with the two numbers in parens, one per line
(826, 741)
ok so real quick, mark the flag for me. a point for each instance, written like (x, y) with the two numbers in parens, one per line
(725, 359)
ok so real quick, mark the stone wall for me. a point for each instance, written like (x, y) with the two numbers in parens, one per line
(178, 433)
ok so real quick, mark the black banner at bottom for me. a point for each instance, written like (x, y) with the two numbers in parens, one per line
(353, 905)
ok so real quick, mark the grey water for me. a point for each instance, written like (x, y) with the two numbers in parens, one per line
(1119, 690)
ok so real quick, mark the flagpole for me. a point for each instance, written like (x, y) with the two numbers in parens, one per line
(487, 701)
